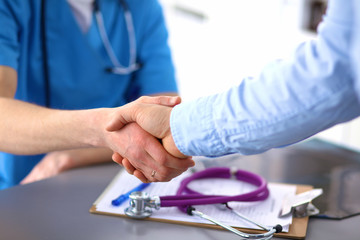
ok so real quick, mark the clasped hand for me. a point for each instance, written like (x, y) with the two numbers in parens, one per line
(152, 159)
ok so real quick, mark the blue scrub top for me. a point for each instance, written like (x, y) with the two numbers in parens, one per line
(77, 61)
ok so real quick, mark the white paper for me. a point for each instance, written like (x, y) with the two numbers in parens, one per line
(264, 212)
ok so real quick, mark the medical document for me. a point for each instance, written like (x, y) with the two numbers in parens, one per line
(265, 212)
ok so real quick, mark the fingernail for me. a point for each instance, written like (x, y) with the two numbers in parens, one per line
(174, 100)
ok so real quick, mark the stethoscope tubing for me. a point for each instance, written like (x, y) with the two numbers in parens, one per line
(188, 197)
(44, 50)
(118, 68)
(185, 198)
(260, 236)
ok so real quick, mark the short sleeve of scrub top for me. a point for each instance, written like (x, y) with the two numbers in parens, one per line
(9, 45)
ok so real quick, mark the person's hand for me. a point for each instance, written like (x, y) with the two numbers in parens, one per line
(143, 155)
(56, 162)
(153, 115)
(52, 164)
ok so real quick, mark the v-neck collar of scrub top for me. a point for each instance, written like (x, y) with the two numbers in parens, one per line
(90, 39)
(82, 11)
(66, 42)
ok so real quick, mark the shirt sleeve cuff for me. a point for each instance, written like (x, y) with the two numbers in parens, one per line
(193, 129)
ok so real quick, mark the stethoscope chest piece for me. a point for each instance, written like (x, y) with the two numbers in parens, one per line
(141, 204)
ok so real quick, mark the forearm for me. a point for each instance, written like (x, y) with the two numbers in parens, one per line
(29, 129)
(83, 157)
(59, 161)
(289, 101)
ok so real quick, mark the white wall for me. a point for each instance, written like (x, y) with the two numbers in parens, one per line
(216, 43)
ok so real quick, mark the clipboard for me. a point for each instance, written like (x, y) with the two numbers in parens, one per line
(297, 229)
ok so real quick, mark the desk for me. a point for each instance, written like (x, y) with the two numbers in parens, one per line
(58, 208)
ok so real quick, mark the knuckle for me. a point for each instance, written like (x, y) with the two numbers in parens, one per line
(167, 179)
(129, 171)
(165, 175)
(161, 178)
(167, 171)
(162, 160)
(143, 99)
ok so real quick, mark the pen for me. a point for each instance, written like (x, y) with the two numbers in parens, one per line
(118, 201)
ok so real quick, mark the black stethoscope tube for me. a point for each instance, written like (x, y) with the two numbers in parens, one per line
(45, 55)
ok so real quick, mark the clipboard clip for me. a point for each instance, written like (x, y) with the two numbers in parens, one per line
(300, 204)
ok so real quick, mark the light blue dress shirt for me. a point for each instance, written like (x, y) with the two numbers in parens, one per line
(290, 100)
(77, 61)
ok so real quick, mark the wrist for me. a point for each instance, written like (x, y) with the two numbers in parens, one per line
(168, 140)
(171, 147)
(66, 161)
(60, 160)
(97, 134)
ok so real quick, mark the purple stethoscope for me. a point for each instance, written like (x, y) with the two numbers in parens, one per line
(141, 203)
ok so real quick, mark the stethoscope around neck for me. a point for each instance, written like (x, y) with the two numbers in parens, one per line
(141, 204)
(117, 67)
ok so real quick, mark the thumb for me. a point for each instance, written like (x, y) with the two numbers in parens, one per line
(169, 101)
(125, 114)
(117, 121)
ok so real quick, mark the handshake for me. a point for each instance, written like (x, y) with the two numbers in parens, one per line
(139, 135)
